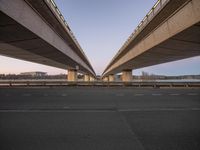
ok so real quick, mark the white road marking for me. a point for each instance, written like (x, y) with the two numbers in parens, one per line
(159, 109)
(195, 108)
(139, 94)
(192, 94)
(56, 110)
(67, 109)
(174, 94)
(156, 94)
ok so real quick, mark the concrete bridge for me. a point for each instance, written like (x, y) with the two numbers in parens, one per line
(169, 32)
(36, 31)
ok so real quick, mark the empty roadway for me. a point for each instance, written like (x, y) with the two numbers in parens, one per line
(99, 118)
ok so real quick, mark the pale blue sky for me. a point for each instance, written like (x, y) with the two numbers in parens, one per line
(101, 27)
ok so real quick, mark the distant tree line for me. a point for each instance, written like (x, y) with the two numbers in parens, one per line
(21, 77)
(147, 76)
(144, 76)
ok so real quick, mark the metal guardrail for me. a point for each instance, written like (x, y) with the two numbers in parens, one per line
(151, 84)
(150, 15)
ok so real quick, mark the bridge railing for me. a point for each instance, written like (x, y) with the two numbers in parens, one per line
(150, 15)
(62, 20)
(148, 84)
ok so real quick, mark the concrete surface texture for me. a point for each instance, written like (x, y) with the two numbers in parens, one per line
(127, 75)
(72, 75)
(99, 118)
(105, 79)
(111, 78)
(86, 77)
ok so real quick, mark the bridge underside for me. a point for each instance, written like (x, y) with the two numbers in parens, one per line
(18, 42)
(169, 36)
(183, 45)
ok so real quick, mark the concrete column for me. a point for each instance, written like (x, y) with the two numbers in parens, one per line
(105, 79)
(91, 78)
(72, 75)
(111, 78)
(86, 78)
(127, 75)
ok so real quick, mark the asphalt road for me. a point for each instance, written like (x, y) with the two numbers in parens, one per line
(86, 118)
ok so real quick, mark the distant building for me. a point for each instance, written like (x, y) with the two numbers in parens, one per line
(34, 74)
(98, 77)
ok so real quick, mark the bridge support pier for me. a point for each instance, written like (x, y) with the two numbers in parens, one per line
(111, 78)
(86, 78)
(72, 75)
(127, 75)
(91, 78)
(105, 79)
